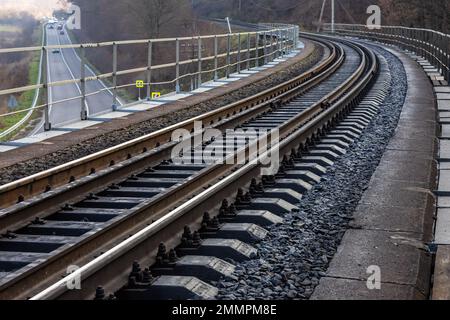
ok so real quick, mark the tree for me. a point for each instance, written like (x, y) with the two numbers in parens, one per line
(152, 16)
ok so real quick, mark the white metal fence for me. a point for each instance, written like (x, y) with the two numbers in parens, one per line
(429, 44)
(274, 41)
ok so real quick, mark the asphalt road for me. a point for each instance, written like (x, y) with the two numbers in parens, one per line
(65, 65)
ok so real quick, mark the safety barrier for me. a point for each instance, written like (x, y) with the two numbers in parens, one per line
(429, 44)
(270, 43)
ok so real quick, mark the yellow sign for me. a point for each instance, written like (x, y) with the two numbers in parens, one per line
(139, 84)
(156, 95)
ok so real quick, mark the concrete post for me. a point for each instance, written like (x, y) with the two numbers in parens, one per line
(278, 44)
(239, 54)
(47, 124)
(216, 64)
(248, 51)
(114, 104)
(442, 53)
(199, 75)
(265, 47)
(257, 50)
(177, 65)
(228, 56)
(272, 46)
(149, 71)
(83, 83)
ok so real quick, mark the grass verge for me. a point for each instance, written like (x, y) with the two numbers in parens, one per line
(26, 98)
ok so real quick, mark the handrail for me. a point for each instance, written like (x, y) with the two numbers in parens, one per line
(130, 42)
(388, 26)
(429, 44)
(276, 42)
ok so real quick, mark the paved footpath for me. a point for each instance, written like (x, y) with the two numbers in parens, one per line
(393, 223)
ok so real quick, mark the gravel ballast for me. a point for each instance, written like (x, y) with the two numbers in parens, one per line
(296, 254)
(23, 169)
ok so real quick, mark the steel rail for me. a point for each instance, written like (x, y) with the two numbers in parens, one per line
(111, 269)
(158, 204)
(39, 183)
(18, 215)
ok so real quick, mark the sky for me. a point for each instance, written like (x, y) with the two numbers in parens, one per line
(39, 8)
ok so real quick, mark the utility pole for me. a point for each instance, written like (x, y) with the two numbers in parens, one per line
(332, 16)
(229, 24)
(321, 15)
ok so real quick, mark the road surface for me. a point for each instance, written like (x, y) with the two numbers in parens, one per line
(65, 65)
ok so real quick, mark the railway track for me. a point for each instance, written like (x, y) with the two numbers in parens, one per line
(134, 196)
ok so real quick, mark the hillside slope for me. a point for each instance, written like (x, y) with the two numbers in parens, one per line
(433, 14)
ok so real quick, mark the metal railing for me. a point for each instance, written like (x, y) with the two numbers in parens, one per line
(269, 44)
(429, 44)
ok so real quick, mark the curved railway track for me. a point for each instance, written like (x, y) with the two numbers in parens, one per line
(135, 192)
